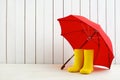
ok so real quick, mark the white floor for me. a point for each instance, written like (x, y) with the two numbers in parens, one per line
(53, 72)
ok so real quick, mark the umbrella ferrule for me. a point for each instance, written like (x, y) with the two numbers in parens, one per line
(89, 38)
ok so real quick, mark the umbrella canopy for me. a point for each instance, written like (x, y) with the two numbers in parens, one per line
(82, 33)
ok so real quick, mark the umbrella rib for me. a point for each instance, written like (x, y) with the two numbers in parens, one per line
(73, 32)
(98, 46)
(108, 56)
(85, 31)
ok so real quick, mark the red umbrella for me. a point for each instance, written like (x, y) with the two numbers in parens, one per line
(82, 33)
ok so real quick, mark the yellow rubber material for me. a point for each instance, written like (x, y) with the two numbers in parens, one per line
(78, 61)
(88, 62)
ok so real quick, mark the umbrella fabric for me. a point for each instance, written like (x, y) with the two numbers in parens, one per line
(85, 34)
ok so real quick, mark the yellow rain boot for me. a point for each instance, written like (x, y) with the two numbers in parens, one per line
(78, 61)
(88, 62)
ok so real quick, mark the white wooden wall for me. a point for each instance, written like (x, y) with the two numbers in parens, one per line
(30, 32)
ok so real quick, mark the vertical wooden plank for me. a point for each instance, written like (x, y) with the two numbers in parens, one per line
(30, 31)
(58, 40)
(11, 31)
(110, 22)
(117, 15)
(20, 31)
(93, 10)
(48, 25)
(3, 31)
(67, 7)
(102, 14)
(85, 8)
(39, 31)
(75, 7)
(68, 51)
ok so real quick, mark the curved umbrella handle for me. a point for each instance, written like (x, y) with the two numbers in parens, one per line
(63, 66)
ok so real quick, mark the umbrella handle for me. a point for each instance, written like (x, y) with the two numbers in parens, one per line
(63, 66)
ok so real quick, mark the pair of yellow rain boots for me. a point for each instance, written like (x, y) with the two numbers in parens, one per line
(83, 61)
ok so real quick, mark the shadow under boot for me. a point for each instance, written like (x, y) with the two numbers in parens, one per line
(78, 61)
(88, 62)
